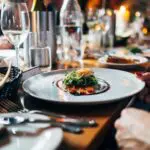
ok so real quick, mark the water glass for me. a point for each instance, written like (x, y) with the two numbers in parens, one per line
(39, 49)
(71, 37)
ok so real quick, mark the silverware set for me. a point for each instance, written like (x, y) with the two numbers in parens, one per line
(69, 124)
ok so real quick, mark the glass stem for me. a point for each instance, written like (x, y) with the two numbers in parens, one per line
(17, 56)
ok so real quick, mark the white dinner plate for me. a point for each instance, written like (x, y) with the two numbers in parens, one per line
(121, 85)
(49, 139)
(142, 60)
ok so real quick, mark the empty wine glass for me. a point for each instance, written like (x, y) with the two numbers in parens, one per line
(15, 23)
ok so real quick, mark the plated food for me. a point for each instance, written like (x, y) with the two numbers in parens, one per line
(121, 60)
(110, 80)
(126, 61)
(81, 82)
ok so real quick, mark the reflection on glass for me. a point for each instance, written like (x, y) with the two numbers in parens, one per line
(15, 23)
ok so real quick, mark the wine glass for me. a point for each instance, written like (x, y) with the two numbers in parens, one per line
(15, 23)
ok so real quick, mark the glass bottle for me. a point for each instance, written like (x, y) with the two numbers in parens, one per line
(71, 20)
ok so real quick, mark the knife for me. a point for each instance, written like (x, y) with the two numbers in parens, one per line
(66, 119)
(18, 120)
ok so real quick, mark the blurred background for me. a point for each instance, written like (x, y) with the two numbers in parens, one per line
(106, 24)
(127, 17)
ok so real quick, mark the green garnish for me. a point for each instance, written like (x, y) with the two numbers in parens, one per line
(73, 79)
(134, 50)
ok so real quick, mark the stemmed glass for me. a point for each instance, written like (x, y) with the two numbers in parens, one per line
(15, 23)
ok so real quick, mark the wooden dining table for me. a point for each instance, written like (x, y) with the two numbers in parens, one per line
(104, 114)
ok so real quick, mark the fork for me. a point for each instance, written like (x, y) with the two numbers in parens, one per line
(58, 117)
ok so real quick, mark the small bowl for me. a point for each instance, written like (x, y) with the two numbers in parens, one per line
(9, 91)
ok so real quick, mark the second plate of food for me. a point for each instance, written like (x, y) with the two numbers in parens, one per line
(126, 61)
(83, 86)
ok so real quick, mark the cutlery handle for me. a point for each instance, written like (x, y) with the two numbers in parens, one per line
(67, 120)
(54, 123)
(67, 127)
(78, 122)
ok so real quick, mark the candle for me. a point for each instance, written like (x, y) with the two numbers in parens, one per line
(122, 19)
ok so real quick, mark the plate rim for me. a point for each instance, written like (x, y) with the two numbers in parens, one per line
(82, 102)
(123, 65)
(56, 128)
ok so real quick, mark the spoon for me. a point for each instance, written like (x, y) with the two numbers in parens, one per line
(3, 81)
(17, 120)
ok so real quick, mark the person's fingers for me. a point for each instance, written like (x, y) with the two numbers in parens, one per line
(128, 144)
(124, 120)
(146, 76)
(118, 125)
(133, 144)
(123, 135)
(129, 111)
(124, 112)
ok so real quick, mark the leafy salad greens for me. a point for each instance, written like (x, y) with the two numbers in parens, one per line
(74, 79)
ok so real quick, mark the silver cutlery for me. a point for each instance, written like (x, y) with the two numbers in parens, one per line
(59, 117)
(17, 120)
(66, 119)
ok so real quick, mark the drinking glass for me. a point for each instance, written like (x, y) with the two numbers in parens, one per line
(40, 49)
(104, 24)
(15, 23)
(92, 18)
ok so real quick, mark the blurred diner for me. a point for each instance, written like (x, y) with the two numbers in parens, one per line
(133, 125)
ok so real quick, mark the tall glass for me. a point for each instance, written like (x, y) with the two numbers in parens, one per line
(15, 23)
(104, 17)
(71, 20)
(92, 19)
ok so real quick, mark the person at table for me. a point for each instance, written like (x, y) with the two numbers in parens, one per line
(133, 127)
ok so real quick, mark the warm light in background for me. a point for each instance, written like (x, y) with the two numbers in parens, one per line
(145, 31)
(122, 9)
(124, 12)
(93, 3)
(109, 12)
(137, 14)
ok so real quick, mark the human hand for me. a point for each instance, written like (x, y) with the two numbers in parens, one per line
(133, 130)
(145, 94)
